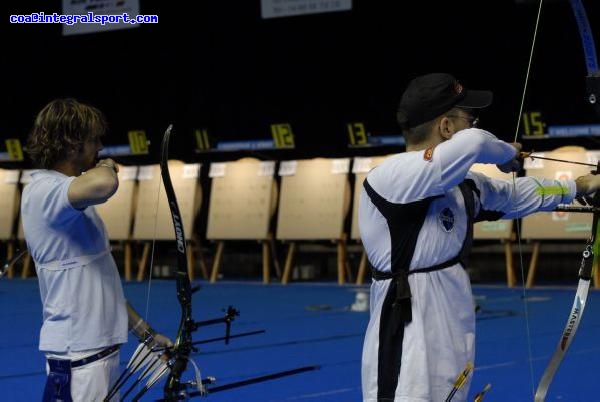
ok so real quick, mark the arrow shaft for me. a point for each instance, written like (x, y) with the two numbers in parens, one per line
(529, 155)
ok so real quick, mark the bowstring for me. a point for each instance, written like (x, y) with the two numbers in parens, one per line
(517, 216)
(152, 249)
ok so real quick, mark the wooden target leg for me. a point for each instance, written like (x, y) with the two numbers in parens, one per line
(266, 262)
(362, 267)
(511, 279)
(10, 252)
(289, 261)
(26, 266)
(273, 250)
(217, 262)
(202, 261)
(143, 262)
(127, 259)
(341, 261)
(533, 265)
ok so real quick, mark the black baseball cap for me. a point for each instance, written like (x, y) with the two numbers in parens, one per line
(432, 95)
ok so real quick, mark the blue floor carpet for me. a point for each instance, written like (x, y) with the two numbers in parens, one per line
(311, 324)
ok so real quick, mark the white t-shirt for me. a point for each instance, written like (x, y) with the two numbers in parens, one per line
(83, 303)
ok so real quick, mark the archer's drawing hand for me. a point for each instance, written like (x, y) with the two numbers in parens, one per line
(516, 163)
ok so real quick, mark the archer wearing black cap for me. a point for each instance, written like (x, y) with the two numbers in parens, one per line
(416, 213)
(431, 95)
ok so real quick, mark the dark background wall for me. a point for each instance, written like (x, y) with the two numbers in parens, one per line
(223, 68)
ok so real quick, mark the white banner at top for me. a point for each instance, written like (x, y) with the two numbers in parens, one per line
(122, 15)
(287, 8)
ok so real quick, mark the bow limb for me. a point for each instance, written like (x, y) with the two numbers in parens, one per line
(182, 346)
(588, 265)
(589, 50)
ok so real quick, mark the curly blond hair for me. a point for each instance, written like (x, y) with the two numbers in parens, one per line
(63, 126)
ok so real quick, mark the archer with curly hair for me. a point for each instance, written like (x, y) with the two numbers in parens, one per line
(63, 125)
(85, 313)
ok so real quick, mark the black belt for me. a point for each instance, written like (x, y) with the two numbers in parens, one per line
(60, 363)
(379, 275)
(402, 299)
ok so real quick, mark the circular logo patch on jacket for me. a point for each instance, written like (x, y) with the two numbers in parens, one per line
(446, 218)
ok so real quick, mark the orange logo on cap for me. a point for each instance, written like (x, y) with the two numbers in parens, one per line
(458, 88)
(428, 154)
